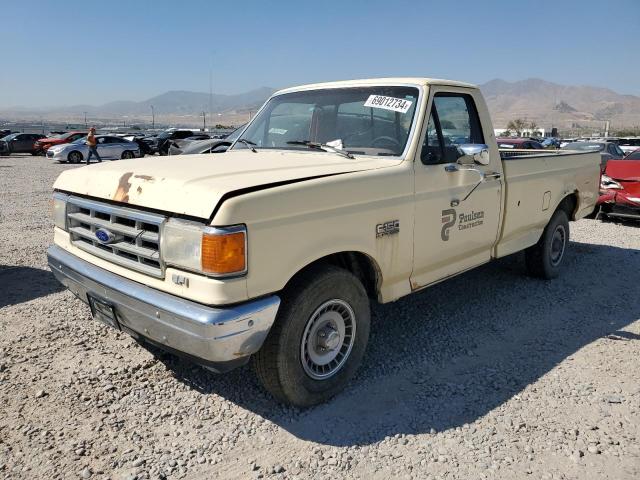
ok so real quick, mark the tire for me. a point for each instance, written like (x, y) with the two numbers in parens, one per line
(544, 259)
(74, 157)
(127, 154)
(288, 365)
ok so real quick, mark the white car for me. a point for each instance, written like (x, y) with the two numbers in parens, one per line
(109, 148)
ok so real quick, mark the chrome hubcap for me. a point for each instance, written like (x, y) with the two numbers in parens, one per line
(558, 244)
(328, 339)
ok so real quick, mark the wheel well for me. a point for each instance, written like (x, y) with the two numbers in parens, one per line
(568, 205)
(358, 263)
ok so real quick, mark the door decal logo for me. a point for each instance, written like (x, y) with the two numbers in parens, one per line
(465, 221)
(448, 221)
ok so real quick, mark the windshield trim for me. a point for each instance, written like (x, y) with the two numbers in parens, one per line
(412, 131)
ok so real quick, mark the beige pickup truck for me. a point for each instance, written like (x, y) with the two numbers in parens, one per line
(334, 196)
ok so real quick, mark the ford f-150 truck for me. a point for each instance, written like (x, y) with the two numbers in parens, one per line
(334, 195)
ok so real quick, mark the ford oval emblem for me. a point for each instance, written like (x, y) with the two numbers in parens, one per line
(105, 236)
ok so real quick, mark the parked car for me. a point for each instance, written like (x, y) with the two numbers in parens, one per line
(550, 142)
(335, 196)
(160, 144)
(519, 143)
(608, 150)
(19, 143)
(211, 145)
(4, 133)
(620, 189)
(44, 144)
(109, 148)
(176, 146)
(139, 139)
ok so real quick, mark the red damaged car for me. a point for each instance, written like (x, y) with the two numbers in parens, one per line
(620, 188)
(42, 145)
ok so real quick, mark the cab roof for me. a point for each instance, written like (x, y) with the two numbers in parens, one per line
(417, 81)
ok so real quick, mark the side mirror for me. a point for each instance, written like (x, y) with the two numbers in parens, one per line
(472, 153)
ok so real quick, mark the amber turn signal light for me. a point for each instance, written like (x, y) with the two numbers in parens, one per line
(224, 254)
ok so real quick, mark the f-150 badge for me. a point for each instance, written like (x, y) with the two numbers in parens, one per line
(387, 228)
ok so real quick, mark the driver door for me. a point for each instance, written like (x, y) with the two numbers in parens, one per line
(453, 234)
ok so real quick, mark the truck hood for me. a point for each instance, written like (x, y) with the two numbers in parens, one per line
(194, 184)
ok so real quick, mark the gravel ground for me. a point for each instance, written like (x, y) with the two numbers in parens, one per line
(489, 375)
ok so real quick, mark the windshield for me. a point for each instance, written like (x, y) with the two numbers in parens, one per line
(9, 137)
(584, 146)
(362, 120)
(80, 140)
(164, 135)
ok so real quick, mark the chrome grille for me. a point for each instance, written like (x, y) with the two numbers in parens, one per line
(135, 235)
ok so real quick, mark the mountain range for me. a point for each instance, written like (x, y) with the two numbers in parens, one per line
(546, 103)
(550, 104)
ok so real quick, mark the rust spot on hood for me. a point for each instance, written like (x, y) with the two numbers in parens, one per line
(122, 192)
(148, 178)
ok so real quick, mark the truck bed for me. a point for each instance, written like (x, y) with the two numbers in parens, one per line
(536, 183)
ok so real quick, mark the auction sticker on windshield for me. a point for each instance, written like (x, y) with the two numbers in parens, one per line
(388, 103)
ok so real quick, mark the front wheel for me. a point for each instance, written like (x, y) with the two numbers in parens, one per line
(127, 154)
(544, 259)
(74, 157)
(318, 339)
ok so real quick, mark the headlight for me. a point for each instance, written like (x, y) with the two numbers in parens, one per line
(609, 183)
(214, 251)
(60, 210)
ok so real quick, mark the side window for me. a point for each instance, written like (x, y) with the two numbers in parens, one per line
(456, 123)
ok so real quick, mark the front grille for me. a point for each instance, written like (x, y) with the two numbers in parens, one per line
(134, 235)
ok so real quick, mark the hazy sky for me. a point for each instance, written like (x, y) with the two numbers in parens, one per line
(72, 52)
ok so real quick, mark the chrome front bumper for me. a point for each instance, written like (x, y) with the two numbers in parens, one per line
(219, 338)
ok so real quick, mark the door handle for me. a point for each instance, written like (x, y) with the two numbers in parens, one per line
(493, 175)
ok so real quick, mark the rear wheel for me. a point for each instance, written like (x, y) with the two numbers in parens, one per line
(74, 157)
(544, 259)
(319, 338)
(127, 154)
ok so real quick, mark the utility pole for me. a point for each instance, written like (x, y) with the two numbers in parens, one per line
(204, 121)
(153, 118)
(210, 92)
(85, 120)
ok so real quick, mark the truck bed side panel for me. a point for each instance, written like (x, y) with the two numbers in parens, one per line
(534, 187)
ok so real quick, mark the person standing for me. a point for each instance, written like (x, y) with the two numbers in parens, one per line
(93, 145)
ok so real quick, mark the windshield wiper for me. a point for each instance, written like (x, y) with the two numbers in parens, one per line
(321, 146)
(248, 144)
